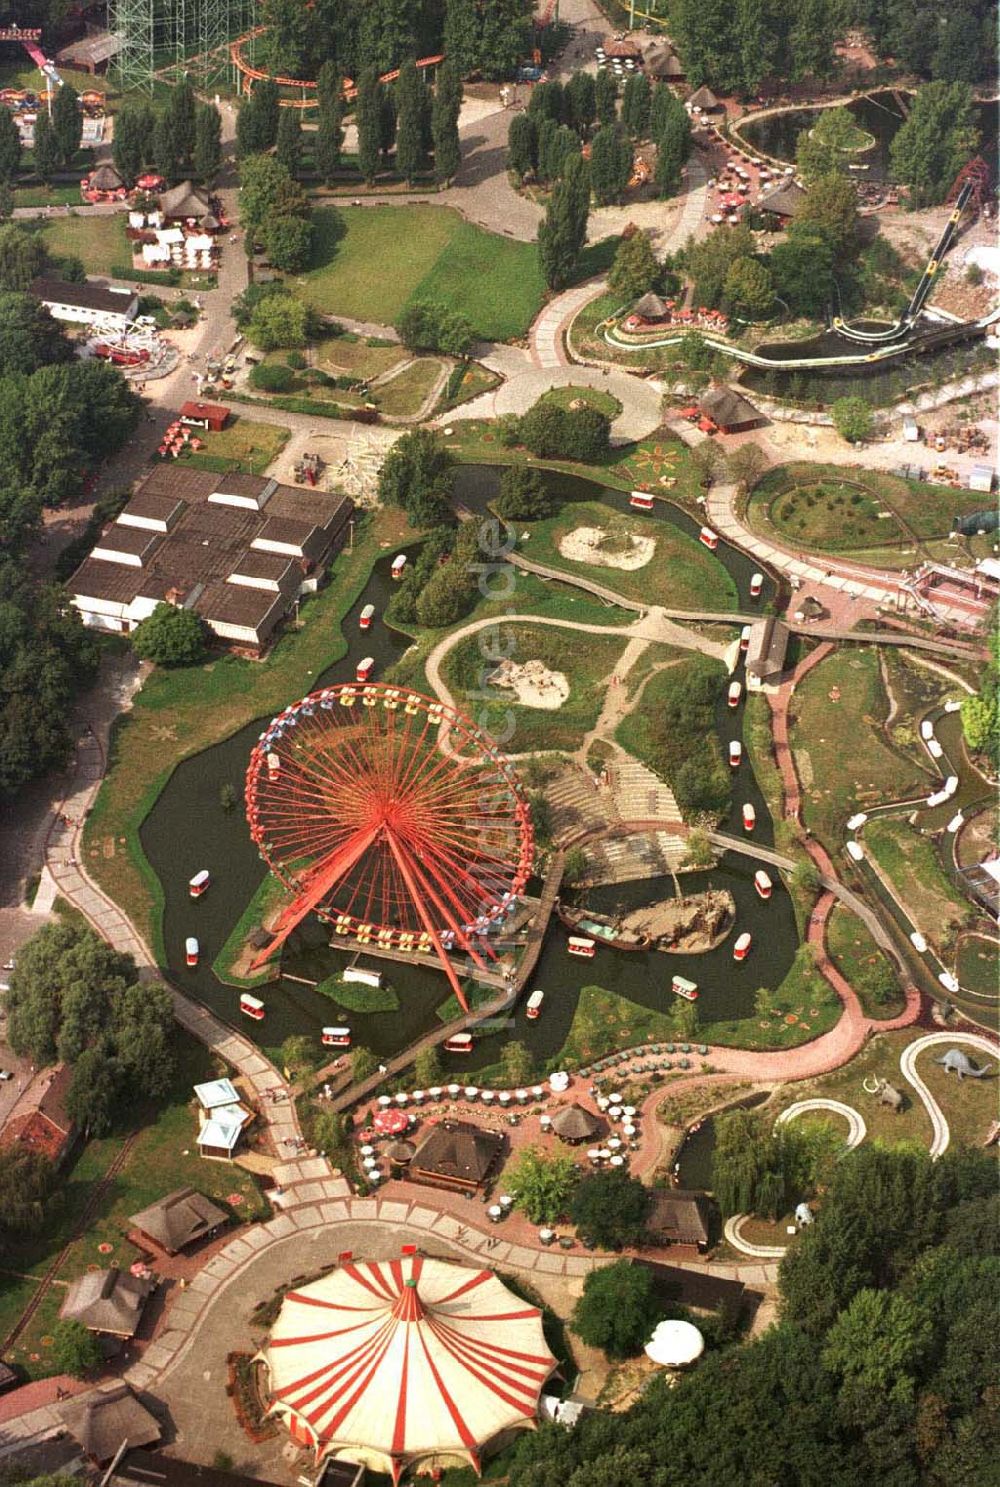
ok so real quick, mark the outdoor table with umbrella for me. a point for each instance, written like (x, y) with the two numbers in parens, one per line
(402, 1097)
(559, 1082)
(418, 1097)
(521, 1096)
(494, 1213)
(614, 1143)
(471, 1091)
(506, 1202)
(545, 1122)
(487, 1097)
(454, 1090)
(603, 1153)
(628, 1129)
(628, 1111)
(374, 1176)
(617, 1160)
(602, 1102)
(435, 1091)
(615, 1099)
(593, 1154)
(546, 1236)
(367, 1151)
(504, 1097)
(717, 217)
(385, 1101)
(391, 1122)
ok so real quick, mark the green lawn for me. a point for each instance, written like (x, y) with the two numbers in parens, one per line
(830, 508)
(178, 713)
(349, 355)
(856, 956)
(878, 1059)
(586, 661)
(355, 996)
(910, 862)
(403, 396)
(604, 1022)
(566, 397)
(844, 764)
(803, 1007)
(680, 573)
(242, 445)
(687, 693)
(369, 262)
(977, 964)
(98, 241)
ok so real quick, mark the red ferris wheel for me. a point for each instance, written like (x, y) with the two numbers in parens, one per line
(393, 818)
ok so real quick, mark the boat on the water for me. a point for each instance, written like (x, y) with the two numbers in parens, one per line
(709, 538)
(756, 585)
(336, 1037)
(742, 947)
(365, 668)
(581, 945)
(191, 950)
(534, 1006)
(734, 694)
(640, 501)
(252, 1006)
(367, 615)
(199, 883)
(749, 816)
(745, 637)
(458, 1043)
(762, 883)
(681, 986)
(735, 753)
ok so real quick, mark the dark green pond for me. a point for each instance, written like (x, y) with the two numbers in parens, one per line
(879, 114)
(188, 830)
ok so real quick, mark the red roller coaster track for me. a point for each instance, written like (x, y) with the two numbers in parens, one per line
(394, 840)
(251, 74)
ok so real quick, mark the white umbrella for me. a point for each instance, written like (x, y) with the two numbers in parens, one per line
(616, 1161)
(521, 1096)
(375, 1176)
(603, 1153)
(674, 1344)
(538, 1091)
(436, 1091)
(602, 1103)
(504, 1097)
(593, 1154)
(628, 1129)
(506, 1201)
(495, 1211)
(628, 1110)
(402, 1097)
(614, 1143)
(545, 1121)
(487, 1097)
(615, 1099)
(385, 1101)
(367, 1151)
(471, 1091)
(454, 1090)
(546, 1235)
(418, 1095)
(559, 1082)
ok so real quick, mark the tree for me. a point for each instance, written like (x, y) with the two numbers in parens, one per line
(541, 1185)
(830, 145)
(363, 1064)
(75, 1350)
(879, 1341)
(278, 322)
(29, 336)
(427, 1069)
(130, 146)
(10, 147)
(164, 147)
(328, 139)
(298, 1055)
(523, 494)
(411, 103)
(427, 326)
(417, 475)
(461, 40)
(267, 99)
(699, 851)
(27, 1182)
(763, 1002)
(206, 161)
(684, 1020)
(67, 123)
(635, 105)
(267, 191)
(505, 37)
(748, 292)
(563, 232)
(575, 866)
(516, 1064)
(547, 102)
(852, 418)
(45, 151)
(829, 210)
(745, 466)
(289, 241)
(181, 107)
(94, 1090)
(580, 95)
(368, 119)
(448, 595)
(445, 113)
(610, 164)
(288, 146)
(802, 272)
(673, 145)
(636, 268)
(522, 145)
(805, 879)
(170, 637)
(606, 98)
(610, 1209)
(936, 140)
(617, 1311)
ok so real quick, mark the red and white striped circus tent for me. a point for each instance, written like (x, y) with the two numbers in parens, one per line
(412, 1364)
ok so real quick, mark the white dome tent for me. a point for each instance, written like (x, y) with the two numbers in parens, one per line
(675, 1344)
(409, 1364)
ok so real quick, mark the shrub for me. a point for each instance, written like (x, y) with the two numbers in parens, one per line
(272, 377)
(170, 637)
(295, 360)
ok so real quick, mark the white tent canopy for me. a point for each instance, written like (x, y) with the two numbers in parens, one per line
(402, 1362)
(675, 1344)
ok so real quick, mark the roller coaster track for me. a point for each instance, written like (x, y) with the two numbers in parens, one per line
(252, 74)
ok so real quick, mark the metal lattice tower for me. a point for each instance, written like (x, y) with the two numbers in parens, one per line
(134, 22)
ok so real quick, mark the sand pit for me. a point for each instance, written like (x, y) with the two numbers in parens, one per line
(532, 683)
(607, 549)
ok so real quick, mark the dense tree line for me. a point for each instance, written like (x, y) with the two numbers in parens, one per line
(275, 211)
(58, 418)
(940, 39)
(181, 140)
(734, 47)
(552, 432)
(882, 1368)
(72, 997)
(936, 140)
(477, 37)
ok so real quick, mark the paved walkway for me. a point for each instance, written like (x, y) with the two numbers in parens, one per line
(856, 1128)
(908, 1068)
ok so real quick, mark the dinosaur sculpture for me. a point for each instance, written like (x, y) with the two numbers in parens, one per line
(958, 1062)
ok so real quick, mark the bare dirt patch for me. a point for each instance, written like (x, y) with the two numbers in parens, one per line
(532, 683)
(607, 549)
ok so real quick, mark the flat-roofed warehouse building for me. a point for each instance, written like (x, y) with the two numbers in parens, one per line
(237, 549)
